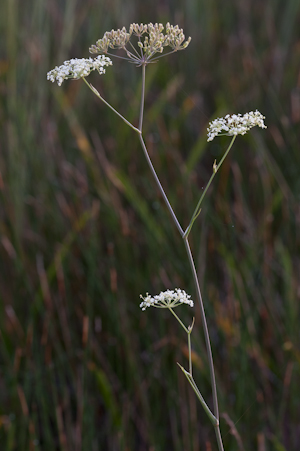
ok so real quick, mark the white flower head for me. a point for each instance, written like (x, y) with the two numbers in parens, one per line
(166, 299)
(78, 68)
(235, 124)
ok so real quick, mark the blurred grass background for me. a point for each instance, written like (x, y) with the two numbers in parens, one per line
(83, 231)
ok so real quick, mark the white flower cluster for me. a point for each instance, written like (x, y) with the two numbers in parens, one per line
(166, 299)
(235, 124)
(78, 68)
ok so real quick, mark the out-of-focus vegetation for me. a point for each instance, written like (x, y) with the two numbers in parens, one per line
(83, 231)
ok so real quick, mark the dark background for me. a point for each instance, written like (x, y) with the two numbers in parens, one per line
(84, 231)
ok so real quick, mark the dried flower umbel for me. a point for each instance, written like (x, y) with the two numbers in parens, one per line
(150, 40)
(235, 124)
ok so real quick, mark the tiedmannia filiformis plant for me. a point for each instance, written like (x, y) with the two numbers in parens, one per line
(141, 45)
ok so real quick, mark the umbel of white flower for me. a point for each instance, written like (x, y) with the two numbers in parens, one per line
(235, 124)
(78, 68)
(166, 299)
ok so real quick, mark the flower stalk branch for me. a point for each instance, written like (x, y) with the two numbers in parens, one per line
(189, 377)
(215, 170)
(195, 278)
(92, 88)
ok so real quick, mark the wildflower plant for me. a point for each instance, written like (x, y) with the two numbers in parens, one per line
(141, 45)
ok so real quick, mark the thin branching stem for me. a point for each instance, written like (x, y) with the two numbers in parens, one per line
(215, 170)
(214, 417)
(179, 320)
(148, 158)
(142, 98)
(136, 56)
(112, 108)
(205, 328)
(135, 50)
(161, 56)
(190, 354)
(189, 377)
(132, 56)
(195, 278)
(118, 56)
(160, 186)
(190, 329)
(208, 345)
(191, 261)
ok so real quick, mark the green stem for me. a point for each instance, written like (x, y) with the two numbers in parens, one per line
(219, 437)
(160, 186)
(205, 329)
(106, 103)
(184, 235)
(179, 320)
(189, 377)
(196, 283)
(190, 353)
(197, 209)
(190, 329)
(148, 158)
(142, 98)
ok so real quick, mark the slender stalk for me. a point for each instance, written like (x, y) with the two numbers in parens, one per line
(197, 287)
(190, 329)
(208, 345)
(161, 56)
(121, 57)
(106, 103)
(147, 155)
(216, 168)
(179, 320)
(219, 437)
(189, 377)
(142, 98)
(225, 154)
(138, 130)
(190, 354)
(205, 328)
(184, 235)
(191, 261)
(160, 187)
(135, 50)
